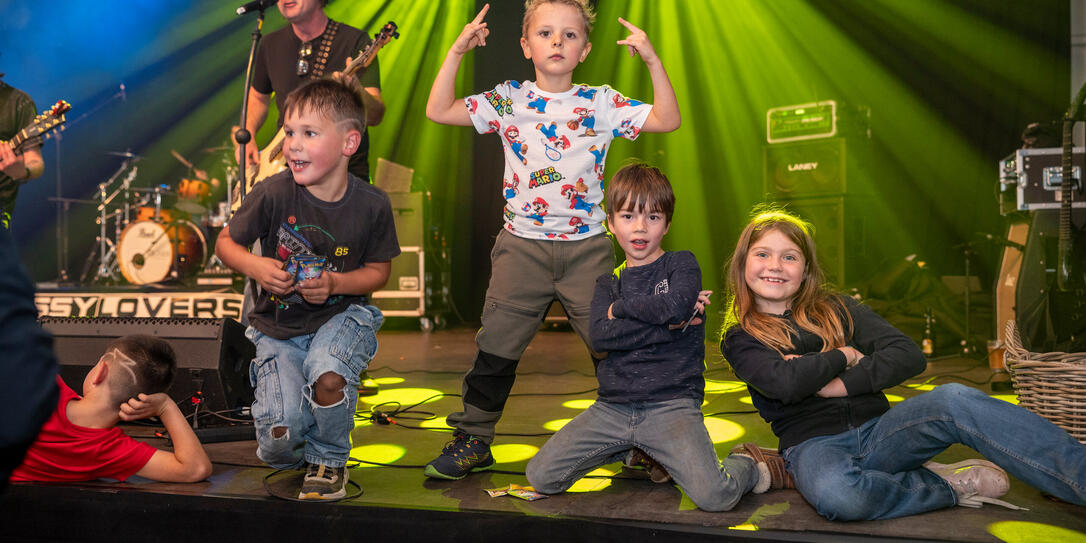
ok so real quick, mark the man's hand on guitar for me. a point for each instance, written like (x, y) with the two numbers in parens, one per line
(10, 163)
(253, 155)
(270, 274)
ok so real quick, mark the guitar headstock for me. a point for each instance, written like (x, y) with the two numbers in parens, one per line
(49, 119)
(387, 33)
(60, 108)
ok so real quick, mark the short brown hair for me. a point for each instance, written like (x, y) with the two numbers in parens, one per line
(640, 187)
(587, 13)
(338, 99)
(153, 370)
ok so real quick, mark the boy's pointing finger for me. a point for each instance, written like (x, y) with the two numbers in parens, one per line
(482, 13)
(628, 25)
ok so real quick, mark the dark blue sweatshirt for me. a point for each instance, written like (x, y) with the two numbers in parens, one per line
(647, 362)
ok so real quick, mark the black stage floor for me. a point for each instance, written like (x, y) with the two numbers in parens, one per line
(400, 504)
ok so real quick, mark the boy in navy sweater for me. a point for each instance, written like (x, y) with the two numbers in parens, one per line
(651, 384)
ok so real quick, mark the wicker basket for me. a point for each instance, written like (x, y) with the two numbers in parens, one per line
(1053, 385)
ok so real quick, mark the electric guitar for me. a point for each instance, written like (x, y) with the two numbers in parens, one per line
(1071, 257)
(272, 160)
(49, 120)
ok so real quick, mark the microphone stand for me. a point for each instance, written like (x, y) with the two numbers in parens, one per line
(242, 136)
(64, 205)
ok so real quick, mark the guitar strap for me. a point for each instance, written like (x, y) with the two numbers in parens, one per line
(324, 50)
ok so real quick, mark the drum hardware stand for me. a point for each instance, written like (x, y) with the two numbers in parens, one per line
(107, 248)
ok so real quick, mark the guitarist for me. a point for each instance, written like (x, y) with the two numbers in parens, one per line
(311, 46)
(19, 165)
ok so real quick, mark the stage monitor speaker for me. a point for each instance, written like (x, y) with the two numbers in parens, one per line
(407, 213)
(805, 169)
(1048, 319)
(840, 234)
(213, 355)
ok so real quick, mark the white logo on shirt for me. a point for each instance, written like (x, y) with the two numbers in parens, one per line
(661, 287)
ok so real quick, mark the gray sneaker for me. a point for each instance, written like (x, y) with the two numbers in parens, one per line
(324, 483)
(975, 482)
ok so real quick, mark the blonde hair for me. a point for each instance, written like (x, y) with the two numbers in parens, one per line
(814, 307)
(587, 13)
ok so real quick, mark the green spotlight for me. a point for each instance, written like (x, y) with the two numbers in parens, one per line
(507, 453)
(590, 484)
(405, 396)
(723, 387)
(378, 452)
(556, 424)
(1013, 531)
(434, 423)
(578, 404)
(723, 430)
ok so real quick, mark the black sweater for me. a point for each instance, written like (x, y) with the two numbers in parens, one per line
(647, 362)
(784, 390)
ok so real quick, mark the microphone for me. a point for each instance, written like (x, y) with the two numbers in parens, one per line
(256, 5)
(124, 97)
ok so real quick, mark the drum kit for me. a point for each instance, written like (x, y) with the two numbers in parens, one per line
(159, 233)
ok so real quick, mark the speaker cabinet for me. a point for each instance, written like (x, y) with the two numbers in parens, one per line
(806, 169)
(213, 355)
(840, 234)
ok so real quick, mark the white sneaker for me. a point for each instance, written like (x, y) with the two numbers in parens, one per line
(975, 482)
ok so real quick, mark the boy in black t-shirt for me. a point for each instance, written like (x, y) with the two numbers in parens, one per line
(311, 324)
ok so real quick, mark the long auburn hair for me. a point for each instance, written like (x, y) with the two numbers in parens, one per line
(814, 307)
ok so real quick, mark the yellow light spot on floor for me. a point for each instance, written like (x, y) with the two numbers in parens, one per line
(1009, 398)
(378, 452)
(439, 422)
(723, 387)
(389, 380)
(506, 453)
(406, 396)
(721, 430)
(588, 484)
(894, 398)
(556, 424)
(1013, 531)
(744, 527)
(578, 404)
(924, 387)
(746, 400)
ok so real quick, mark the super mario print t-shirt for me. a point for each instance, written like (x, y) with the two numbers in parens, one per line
(555, 147)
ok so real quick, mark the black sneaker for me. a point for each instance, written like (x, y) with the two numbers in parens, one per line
(323, 483)
(461, 456)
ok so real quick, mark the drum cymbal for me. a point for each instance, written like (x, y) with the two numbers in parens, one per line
(125, 154)
(191, 206)
(180, 158)
(200, 174)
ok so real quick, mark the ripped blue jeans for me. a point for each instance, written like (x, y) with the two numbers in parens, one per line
(282, 375)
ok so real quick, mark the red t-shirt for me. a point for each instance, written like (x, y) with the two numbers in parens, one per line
(66, 452)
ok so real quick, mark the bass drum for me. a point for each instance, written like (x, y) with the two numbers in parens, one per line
(149, 252)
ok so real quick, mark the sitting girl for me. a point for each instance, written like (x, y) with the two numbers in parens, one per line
(815, 364)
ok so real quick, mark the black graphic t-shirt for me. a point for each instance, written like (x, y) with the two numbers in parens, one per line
(16, 112)
(288, 220)
(275, 69)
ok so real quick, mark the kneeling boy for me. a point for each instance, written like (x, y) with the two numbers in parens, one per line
(313, 329)
(651, 384)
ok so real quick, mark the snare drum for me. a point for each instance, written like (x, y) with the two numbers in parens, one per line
(149, 252)
(192, 196)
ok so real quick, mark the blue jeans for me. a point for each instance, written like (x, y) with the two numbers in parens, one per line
(283, 374)
(875, 471)
(672, 432)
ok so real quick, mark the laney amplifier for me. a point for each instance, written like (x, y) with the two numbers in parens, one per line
(805, 169)
(1037, 176)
